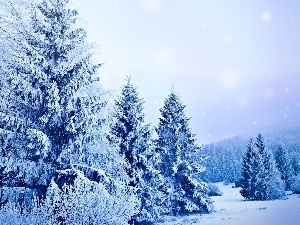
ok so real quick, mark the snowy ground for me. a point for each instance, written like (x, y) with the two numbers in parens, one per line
(233, 210)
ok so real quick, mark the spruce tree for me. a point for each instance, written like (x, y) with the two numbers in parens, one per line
(54, 112)
(130, 132)
(251, 165)
(260, 177)
(133, 139)
(178, 164)
(284, 165)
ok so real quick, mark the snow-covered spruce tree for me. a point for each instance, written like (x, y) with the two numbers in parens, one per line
(260, 177)
(54, 114)
(178, 160)
(284, 165)
(251, 165)
(130, 132)
(132, 136)
(269, 184)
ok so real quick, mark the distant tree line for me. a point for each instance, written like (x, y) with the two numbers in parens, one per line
(261, 172)
(224, 162)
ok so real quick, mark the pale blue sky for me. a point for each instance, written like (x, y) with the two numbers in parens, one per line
(236, 64)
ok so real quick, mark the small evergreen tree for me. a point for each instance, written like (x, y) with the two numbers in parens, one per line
(177, 148)
(260, 177)
(252, 164)
(269, 185)
(284, 165)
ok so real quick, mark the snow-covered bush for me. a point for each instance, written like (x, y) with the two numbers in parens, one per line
(295, 185)
(14, 214)
(84, 202)
(88, 202)
(214, 190)
(276, 188)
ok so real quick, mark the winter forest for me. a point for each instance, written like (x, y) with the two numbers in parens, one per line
(73, 152)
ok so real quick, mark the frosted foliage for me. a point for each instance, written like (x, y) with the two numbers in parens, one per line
(224, 160)
(225, 157)
(132, 136)
(55, 113)
(284, 165)
(260, 177)
(51, 85)
(180, 161)
(295, 184)
(38, 143)
(72, 202)
(85, 202)
(295, 161)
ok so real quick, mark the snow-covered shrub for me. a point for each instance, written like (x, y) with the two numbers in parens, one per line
(295, 185)
(84, 202)
(14, 214)
(214, 190)
(276, 188)
(88, 202)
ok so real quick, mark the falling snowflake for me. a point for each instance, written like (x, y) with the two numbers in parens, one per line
(266, 16)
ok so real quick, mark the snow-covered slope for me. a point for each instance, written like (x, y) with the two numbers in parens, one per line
(232, 209)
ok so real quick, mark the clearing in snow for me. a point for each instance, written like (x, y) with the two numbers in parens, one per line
(232, 209)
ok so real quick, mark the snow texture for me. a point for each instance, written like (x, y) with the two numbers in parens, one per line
(232, 209)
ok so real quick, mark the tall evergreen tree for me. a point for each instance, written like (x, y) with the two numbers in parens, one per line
(177, 148)
(53, 111)
(133, 138)
(130, 132)
(284, 165)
